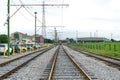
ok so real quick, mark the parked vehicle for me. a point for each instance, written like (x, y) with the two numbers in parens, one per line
(17, 48)
(25, 47)
(2, 47)
(29, 46)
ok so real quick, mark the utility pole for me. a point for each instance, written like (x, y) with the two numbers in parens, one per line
(76, 36)
(35, 27)
(90, 34)
(43, 21)
(111, 35)
(96, 33)
(8, 19)
(55, 35)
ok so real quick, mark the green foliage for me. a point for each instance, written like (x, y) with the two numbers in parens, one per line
(103, 48)
(48, 41)
(70, 40)
(3, 38)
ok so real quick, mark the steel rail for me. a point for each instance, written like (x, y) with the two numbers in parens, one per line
(86, 77)
(92, 53)
(6, 62)
(53, 64)
(100, 57)
(21, 65)
(81, 71)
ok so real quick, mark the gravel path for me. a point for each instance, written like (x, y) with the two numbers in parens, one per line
(99, 69)
(33, 70)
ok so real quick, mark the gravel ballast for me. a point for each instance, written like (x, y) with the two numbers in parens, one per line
(35, 69)
(99, 69)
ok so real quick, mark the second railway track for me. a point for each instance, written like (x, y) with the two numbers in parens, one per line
(108, 60)
(11, 66)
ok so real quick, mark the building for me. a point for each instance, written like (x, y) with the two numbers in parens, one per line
(39, 39)
(92, 39)
(20, 38)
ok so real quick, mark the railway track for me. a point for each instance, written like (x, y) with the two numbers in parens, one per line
(10, 67)
(4, 63)
(108, 60)
(64, 67)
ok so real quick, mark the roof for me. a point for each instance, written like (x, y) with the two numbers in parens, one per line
(92, 39)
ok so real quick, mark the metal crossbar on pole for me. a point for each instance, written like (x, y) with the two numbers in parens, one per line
(39, 5)
(51, 26)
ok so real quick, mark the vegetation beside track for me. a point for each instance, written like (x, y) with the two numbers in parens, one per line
(111, 49)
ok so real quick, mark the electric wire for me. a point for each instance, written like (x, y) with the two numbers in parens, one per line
(28, 10)
(15, 12)
(21, 12)
(38, 29)
(30, 13)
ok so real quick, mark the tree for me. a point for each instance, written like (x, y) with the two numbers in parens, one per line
(3, 38)
(113, 40)
(48, 41)
(70, 40)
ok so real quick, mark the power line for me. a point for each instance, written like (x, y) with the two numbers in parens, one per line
(28, 10)
(15, 11)
(30, 13)
(38, 29)
(21, 12)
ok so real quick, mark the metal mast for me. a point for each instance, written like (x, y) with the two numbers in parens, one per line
(8, 19)
(55, 35)
(43, 17)
(43, 21)
(35, 27)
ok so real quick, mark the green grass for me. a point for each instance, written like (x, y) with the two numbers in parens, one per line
(111, 49)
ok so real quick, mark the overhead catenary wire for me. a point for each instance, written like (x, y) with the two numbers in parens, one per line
(30, 13)
(28, 10)
(38, 29)
(21, 12)
(15, 11)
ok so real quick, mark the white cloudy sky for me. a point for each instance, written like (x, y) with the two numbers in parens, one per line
(98, 17)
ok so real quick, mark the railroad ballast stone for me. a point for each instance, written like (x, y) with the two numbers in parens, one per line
(99, 69)
(34, 69)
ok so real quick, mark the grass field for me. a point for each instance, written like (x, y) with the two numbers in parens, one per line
(105, 48)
